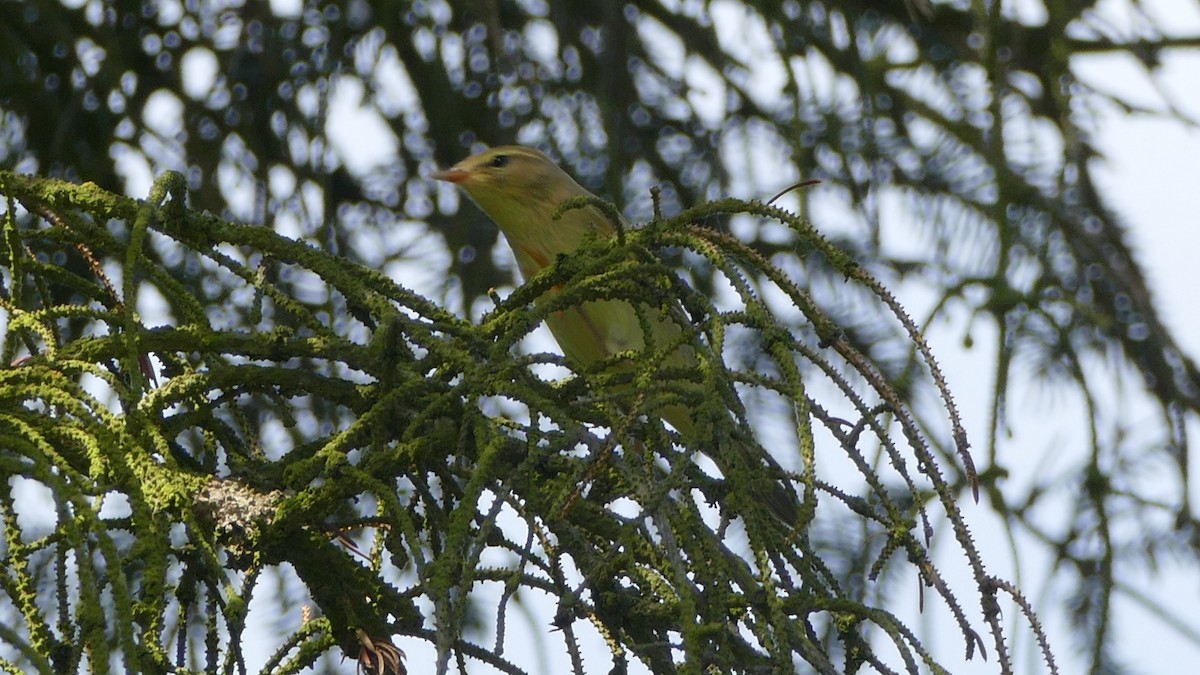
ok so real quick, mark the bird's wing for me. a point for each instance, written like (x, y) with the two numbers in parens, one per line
(596, 330)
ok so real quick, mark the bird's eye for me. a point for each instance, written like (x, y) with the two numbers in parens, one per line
(499, 161)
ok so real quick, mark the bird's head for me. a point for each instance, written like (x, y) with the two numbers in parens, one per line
(513, 184)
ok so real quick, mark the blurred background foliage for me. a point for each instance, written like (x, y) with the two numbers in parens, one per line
(321, 121)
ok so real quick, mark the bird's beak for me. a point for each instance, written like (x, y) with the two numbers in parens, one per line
(452, 175)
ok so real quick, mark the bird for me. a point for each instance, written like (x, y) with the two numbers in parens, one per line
(521, 190)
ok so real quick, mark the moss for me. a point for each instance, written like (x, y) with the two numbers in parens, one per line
(393, 451)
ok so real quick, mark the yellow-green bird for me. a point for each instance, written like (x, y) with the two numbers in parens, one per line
(520, 189)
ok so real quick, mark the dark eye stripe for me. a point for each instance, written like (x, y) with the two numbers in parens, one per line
(499, 161)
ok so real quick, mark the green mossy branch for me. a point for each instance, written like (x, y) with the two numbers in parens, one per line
(385, 451)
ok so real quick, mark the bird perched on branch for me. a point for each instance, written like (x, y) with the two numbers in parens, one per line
(521, 189)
